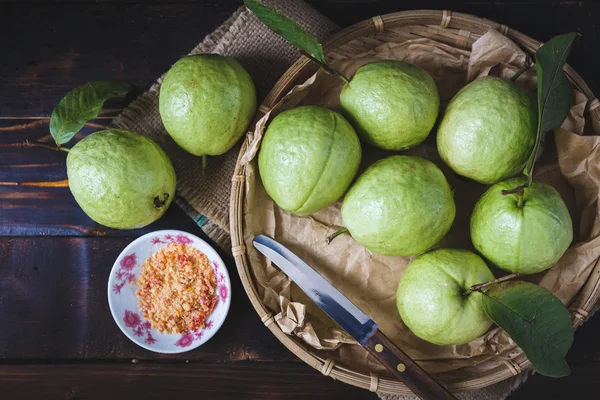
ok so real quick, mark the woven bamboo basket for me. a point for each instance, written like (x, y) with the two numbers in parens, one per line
(456, 29)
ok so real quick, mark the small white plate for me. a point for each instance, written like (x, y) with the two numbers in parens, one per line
(123, 302)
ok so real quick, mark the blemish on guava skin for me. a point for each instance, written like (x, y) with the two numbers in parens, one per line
(188, 83)
(159, 203)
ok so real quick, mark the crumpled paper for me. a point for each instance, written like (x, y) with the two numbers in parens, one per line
(570, 163)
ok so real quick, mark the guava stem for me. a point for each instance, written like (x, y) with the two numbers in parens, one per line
(48, 146)
(326, 67)
(204, 162)
(520, 199)
(528, 64)
(477, 288)
(519, 73)
(518, 190)
(335, 234)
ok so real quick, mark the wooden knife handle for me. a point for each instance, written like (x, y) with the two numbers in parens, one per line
(405, 369)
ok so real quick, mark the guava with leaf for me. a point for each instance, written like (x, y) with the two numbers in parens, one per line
(392, 104)
(432, 299)
(308, 157)
(401, 205)
(206, 103)
(527, 234)
(488, 130)
(121, 179)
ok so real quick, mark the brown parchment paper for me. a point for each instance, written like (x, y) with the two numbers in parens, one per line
(570, 163)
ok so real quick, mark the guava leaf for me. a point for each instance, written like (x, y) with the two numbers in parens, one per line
(81, 105)
(554, 93)
(536, 320)
(288, 29)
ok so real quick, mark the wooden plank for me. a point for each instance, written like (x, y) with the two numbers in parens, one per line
(48, 211)
(53, 306)
(247, 380)
(28, 152)
(57, 60)
(54, 48)
(185, 381)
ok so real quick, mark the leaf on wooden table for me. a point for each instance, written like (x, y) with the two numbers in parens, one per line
(287, 28)
(536, 320)
(81, 105)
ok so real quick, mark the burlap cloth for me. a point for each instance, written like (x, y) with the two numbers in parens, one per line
(266, 56)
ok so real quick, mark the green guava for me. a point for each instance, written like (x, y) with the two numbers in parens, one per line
(430, 296)
(526, 238)
(206, 103)
(488, 130)
(400, 206)
(392, 104)
(308, 158)
(121, 179)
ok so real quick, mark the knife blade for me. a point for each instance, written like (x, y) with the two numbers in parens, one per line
(354, 321)
(328, 298)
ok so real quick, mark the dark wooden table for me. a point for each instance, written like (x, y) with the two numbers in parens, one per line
(57, 337)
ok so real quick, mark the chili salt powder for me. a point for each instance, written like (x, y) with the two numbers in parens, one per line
(177, 289)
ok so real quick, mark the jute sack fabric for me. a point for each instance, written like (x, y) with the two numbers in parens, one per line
(266, 56)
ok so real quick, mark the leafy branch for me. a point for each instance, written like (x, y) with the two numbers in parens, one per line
(81, 105)
(481, 286)
(554, 95)
(40, 144)
(326, 67)
(293, 33)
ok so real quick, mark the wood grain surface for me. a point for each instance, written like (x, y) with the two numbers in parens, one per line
(57, 337)
(159, 381)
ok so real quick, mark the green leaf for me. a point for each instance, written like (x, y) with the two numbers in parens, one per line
(554, 93)
(536, 320)
(284, 26)
(81, 105)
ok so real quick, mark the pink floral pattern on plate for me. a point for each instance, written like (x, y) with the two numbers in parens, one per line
(132, 320)
(222, 290)
(122, 287)
(188, 339)
(167, 239)
(124, 274)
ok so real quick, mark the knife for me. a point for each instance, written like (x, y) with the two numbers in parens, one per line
(353, 320)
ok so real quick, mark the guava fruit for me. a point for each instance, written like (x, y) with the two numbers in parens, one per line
(392, 104)
(121, 179)
(430, 296)
(488, 130)
(400, 206)
(206, 103)
(526, 238)
(308, 158)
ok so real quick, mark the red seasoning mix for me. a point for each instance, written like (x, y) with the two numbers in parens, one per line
(177, 289)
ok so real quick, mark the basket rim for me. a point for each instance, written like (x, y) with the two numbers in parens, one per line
(580, 307)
